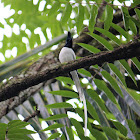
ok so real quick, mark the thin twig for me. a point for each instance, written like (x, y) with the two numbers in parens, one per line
(37, 112)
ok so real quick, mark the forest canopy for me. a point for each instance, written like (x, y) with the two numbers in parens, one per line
(36, 89)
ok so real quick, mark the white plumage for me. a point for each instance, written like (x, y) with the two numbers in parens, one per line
(66, 54)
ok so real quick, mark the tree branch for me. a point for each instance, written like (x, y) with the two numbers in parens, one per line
(16, 84)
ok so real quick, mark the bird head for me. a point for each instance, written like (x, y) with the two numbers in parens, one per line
(69, 41)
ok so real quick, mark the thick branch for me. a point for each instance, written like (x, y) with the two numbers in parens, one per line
(13, 88)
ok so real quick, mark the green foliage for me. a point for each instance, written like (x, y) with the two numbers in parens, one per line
(138, 13)
(112, 82)
(108, 17)
(53, 136)
(14, 130)
(110, 92)
(66, 14)
(128, 69)
(120, 30)
(52, 127)
(136, 63)
(84, 72)
(80, 18)
(3, 128)
(134, 94)
(92, 111)
(65, 80)
(65, 93)
(132, 126)
(110, 133)
(128, 22)
(133, 27)
(59, 105)
(100, 39)
(56, 117)
(92, 20)
(96, 133)
(70, 133)
(136, 2)
(109, 35)
(102, 86)
(95, 97)
(78, 126)
(125, 17)
(120, 127)
(54, 9)
(117, 73)
(90, 48)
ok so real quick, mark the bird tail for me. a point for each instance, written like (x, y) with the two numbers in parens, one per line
(81, 95)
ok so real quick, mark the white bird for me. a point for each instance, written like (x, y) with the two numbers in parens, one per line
(67, 54)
